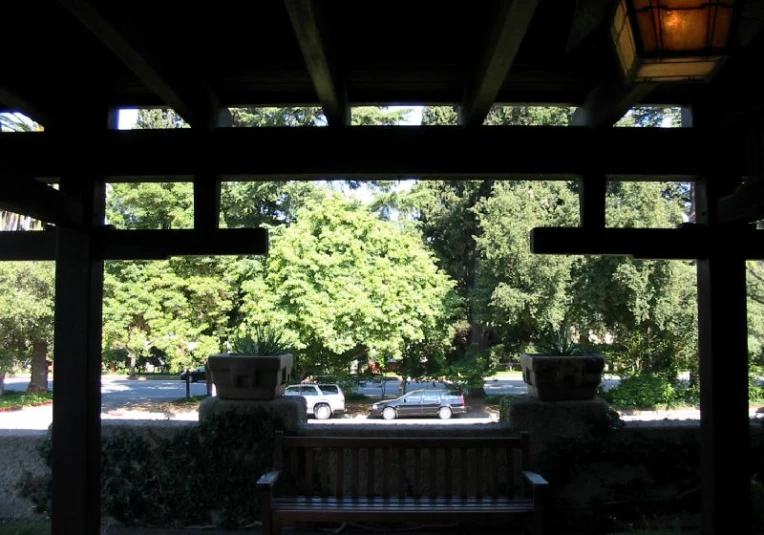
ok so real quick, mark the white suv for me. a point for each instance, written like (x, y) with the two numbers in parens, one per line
(323, 400)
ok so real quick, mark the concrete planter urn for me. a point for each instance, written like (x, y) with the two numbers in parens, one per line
(249, 377)
(562, 377)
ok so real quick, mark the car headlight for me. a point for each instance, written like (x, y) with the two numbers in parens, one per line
(375, 406)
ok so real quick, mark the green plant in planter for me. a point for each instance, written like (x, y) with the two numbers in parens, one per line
(557, 342)
(260, 341)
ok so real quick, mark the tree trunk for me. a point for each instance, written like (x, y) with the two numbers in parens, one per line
(38, 383)
(2, 383)
(133, 359)
(477, 392)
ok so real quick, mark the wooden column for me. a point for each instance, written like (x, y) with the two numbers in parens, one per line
(723, 351)
(76, 456)
(592, 200)
(206, 202)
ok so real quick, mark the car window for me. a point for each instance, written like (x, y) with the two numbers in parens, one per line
(414, 397)
(307, 391)
(329, 390)
(431, 396)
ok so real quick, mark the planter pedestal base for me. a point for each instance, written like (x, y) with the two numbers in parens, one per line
(292, 410)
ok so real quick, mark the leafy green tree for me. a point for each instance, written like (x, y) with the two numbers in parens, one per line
(26, 318)
(520, 293)
(347, 285)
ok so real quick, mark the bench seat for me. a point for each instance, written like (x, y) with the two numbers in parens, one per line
(399, 480)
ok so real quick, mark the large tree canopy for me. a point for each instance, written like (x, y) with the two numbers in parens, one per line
(348, 285)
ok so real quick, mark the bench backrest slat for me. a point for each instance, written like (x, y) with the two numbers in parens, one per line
(433, 468)
(341, 472)
(464, 474)
(449, 467)
(401, 472)
(386, 468)
(356, 472)
(309, 471)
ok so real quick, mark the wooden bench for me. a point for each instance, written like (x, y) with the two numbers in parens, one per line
(354, 479)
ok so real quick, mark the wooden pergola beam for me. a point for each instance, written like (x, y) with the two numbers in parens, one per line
(503, 152)
(511, 22)
(40, 201)
(313, 37)
(111, 244)
(28, 245)
(689, 242)
(193, 100)
(607, 103)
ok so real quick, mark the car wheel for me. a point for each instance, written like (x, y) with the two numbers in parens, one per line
(389, 413)
(322, 412)
(444, 413)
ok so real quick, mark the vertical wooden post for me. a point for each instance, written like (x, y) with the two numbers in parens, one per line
(723, 351)
(206, 202)
(592, 200)
(76, 435)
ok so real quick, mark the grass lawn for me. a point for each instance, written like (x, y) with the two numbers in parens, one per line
(11, 400)
(32, 527)
(506, 376)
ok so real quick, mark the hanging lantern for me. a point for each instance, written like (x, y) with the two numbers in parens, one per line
(672, 40)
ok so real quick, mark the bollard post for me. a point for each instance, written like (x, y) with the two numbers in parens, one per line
(188, 384)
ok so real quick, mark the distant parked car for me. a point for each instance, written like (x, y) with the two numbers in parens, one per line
(199, 374)
(323, 400)
(419, 403)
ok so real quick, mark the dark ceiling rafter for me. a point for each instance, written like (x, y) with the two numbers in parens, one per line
(312, 34)
(588, 17)
(511, 22)
(607, 103)
(32, 198)
(13, 101)
(193, 100)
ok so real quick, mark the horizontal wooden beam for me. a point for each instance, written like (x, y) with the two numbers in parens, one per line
(399, 152)
(40, 201)
(510, 23)
(111, 244)
(28, 245)
(313, 36)
(685, 243)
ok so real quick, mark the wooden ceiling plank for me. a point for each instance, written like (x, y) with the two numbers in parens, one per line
(195, 102)
(13, 101)
(511, 24)
(313, 37)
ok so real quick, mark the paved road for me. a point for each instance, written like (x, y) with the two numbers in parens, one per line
(122, 393)
(121, 397)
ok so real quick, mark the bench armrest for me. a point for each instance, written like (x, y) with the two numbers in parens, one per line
(535, 480)
(539, 487)
(268, 481)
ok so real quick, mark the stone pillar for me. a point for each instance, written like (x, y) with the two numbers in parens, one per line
(548, 422)
(292, 410)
